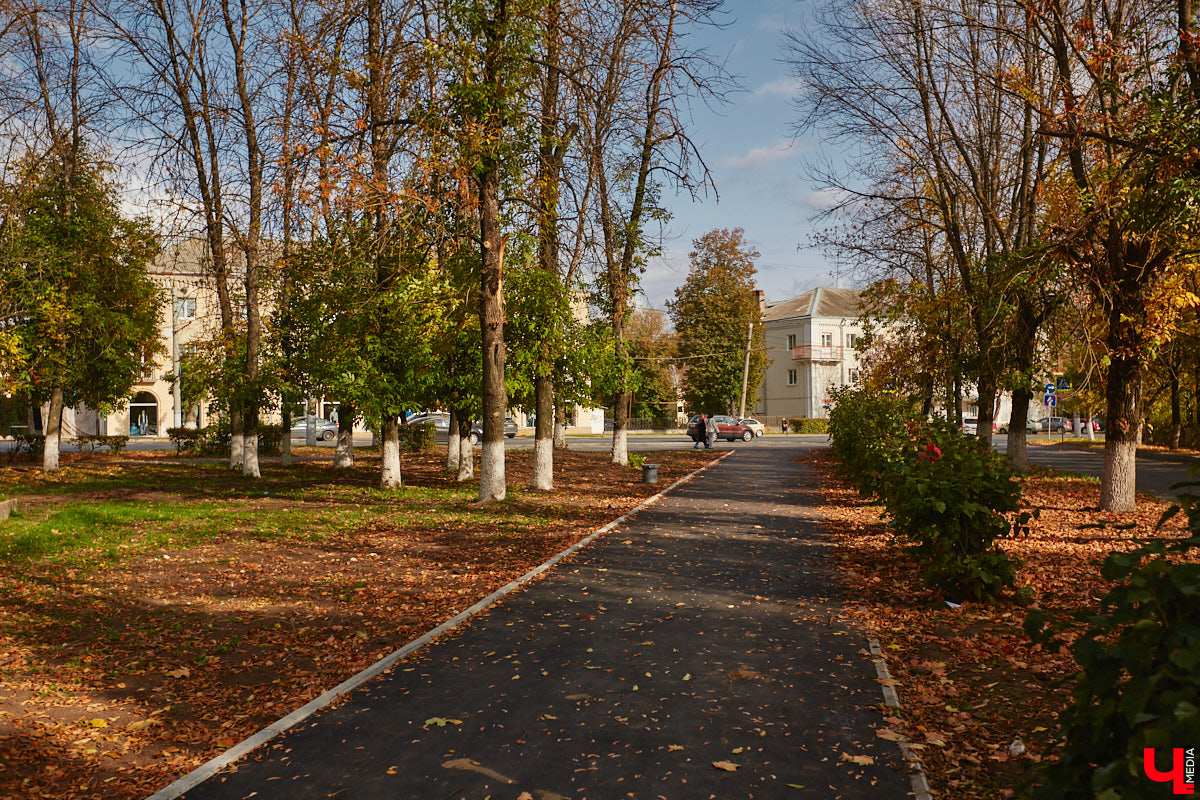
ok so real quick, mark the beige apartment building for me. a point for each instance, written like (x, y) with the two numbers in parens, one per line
(811, 342)
(190, 313)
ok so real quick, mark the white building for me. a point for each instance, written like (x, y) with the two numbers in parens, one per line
(811, 342)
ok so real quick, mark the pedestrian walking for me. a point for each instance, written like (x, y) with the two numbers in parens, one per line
(699, 436)
(785, 424)
(710, 432)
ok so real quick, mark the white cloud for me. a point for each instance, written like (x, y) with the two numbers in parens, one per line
(778, 150)
(780, 87)
(824, 199)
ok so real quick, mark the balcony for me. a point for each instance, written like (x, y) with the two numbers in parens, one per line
(809, 352)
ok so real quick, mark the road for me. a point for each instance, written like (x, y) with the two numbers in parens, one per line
(1155, 474)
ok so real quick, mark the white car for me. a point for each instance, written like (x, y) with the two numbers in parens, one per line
(754, 425)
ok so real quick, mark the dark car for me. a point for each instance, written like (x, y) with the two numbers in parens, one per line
(728, 428)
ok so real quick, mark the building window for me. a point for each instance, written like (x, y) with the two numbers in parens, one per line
(826, 340)
(853, 375)
(791, 377)
(851, 340)
(185, 308)
(791, 341)
(143, 415)
(146, 373)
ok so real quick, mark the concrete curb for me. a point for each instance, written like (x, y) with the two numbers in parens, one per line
(6, 508)
(916, 770)
(212, 767)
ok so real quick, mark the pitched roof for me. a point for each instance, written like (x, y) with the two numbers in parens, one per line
(819, 302)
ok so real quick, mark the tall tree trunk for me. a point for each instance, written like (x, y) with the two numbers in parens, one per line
(491, 317)
(285, 444)
(1018, 452)
(53, 431)
(1123, 395)
(343, 452)
(560, 426)
(492, 486)
(620, 438)
(987, 406)
(453, 441)
(389, 470)
(1176, 409)
(550, 160)
(237, 449)
(543, 437)
(466, 451)
(250, 468)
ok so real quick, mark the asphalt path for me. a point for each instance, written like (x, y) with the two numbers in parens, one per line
(698, 650)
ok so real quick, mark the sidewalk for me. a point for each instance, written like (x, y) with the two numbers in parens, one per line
(696, 651)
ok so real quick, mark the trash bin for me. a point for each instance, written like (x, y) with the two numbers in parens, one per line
(649, 473)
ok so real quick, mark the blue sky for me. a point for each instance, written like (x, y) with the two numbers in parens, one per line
(748, 145)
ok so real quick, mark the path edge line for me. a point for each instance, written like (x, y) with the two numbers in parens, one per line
(254, 741)
(916, 768)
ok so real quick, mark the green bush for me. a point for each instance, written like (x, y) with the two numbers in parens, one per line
(270, 439)
(33, 444)
(950, 496)
(636, 460)
(811, 425)
(186, 439)
(1139, 680)
(867, 433)
(215, 440)
(945, 494)
(419, 438)
(115, 443)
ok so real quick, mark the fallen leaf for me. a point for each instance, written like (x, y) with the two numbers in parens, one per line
(862, 761)
(728, 766)
(442, 722)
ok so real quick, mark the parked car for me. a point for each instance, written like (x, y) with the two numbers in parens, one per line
(1052, 425)
(728, 428)
(324, 429)
(970, 426)
(754, 425)
(1030, 427)
(441, 427)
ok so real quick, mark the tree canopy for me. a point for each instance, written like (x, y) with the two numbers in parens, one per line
(713, 311)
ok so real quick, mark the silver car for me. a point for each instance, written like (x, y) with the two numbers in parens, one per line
(323, 429)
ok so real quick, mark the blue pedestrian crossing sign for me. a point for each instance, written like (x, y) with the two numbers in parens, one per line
(1063, 384)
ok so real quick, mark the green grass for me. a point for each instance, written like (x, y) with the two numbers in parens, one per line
(90, 514)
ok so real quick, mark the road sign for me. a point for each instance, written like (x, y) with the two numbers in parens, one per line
(1050, 400)
(1064, 384)
(1049, 388)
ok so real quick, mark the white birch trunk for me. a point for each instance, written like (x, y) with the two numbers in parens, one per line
(620, 447)
(389, 471)
(491, 472)
(466, 460)
(453, 443)
(53, 432)
(250, 468)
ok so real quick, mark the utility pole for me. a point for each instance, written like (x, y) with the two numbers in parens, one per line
(745, 372)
